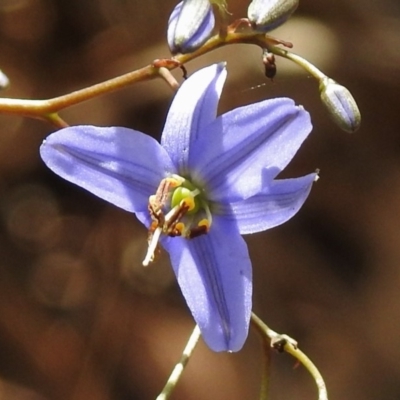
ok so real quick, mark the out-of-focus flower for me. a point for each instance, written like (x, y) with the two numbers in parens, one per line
(266, 15)
(209, 181)
(341, 105)
(4, 81)
(190, 25)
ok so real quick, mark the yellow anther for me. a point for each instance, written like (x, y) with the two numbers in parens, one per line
(189, 202)
(204, 222)
(180, 227)
(175, 210)
(175, 181)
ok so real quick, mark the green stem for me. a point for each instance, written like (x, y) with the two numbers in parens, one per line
(312, 369)
(42, 108)
(287, 344)
(266, 345)
(178, 369)
(300, 61)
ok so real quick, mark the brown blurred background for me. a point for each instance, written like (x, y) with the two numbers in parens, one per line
(81, 319)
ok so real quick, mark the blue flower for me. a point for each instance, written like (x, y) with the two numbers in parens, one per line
(190, 25)
(210, 180)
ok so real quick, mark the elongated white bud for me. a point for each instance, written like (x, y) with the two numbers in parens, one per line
(190, 25)
(341, 105)
(266, 15)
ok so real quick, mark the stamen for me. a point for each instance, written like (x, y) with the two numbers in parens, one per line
(175, 180)
(173, 218)
(152, 247)
(186, 204)
(195, 192)
(158, 200)
(189, 202)
(204, 222)
(178, 229)
(208, 213)
(172, 214)
(187, 226)
(155, 210)
(198, 231)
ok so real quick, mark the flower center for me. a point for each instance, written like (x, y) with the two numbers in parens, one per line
(178, 208)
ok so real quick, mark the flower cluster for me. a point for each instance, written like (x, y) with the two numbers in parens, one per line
(210, 180)
(192, 21)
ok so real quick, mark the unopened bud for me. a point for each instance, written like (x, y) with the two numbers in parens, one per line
(266, 15)
(190, 25)
(4, 81)
(340, 104)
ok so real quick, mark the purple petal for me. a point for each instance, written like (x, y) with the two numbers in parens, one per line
(194, 107)
(278, 202)
(190, 25)
(240, 144)
(214, 274)
(119, 165)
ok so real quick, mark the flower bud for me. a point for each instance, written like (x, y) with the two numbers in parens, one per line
(190, 25)
(340, 104)
(266, 15)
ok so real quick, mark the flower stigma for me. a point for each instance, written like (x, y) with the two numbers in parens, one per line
(177, 209)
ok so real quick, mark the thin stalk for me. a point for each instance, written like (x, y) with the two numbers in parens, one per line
(300, 61)
(180, 366)
(289, 345)
(43, 108)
